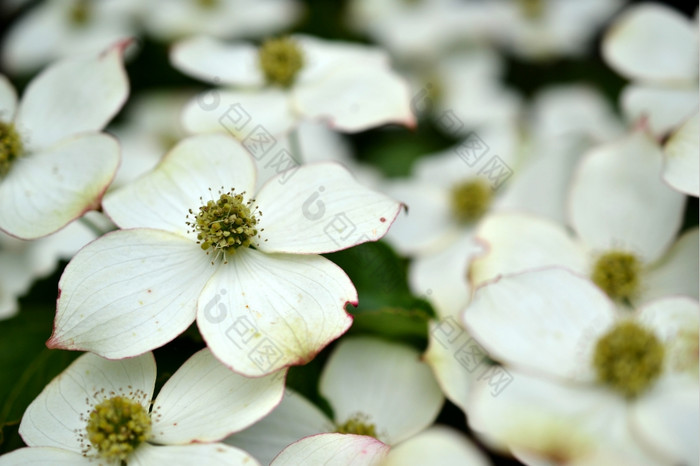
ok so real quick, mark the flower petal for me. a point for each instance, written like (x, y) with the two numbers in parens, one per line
(257, 117)
(436, 445)
(662, 108)
(538, 243)
(545, 321)
(538, 419)
(677, 271)
(441, 277)
(353, 99)
(58, 415)
(44, 191)
(262, 312)
(188, 176)
(667, 420)
(454, 357)
(426, 223)
(8, 100)
(396, 414)
(42, 456)
(204, 401)
(128, 292)
(214, 454)
(216, 62)
(294, 418)
(618, 200)
(320, 208)
(682, 160)
(669, 54)
(335, 449)
(73, 96)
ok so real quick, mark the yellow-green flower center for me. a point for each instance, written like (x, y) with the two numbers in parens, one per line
(80, 12)
(280, 60)
(207, 4)
(532, 9)
(117, 426)
(617, 274)
(225, 224)
(10, 147)
(358, 425)
(471, 200)
(629, 358)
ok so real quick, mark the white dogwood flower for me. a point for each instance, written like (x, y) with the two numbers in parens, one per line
(350, 87)
(55, 164)
(586, 375)
(99, 411)
(199, 243)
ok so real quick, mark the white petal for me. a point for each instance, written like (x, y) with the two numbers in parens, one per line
(676, 272)
(129, 292)
(59, 414)
(333, 449)
(73, 96)
(545, 321)
(261, 312)
(204, 401)
(396, 414)
(8, 100)
(353, 99)
(42, 456)
(653, 42)
(436, 445)
(537, 419)
(538, 243)
(442, 276)
(664, 108)
(294, 418)
(44, 191)
(456, 360)
(214, 454)
(618, 200)
(209, 59)
(320, 208)
(667, 420)
(426, 223)
(258, 117)
(191, 174)
(682, 161)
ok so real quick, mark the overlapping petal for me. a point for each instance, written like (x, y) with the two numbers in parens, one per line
(8, 100)
(682, 161)
(44, 191)
(261, 312)
(214, 454)
(129, 292)
(320, 208)
(335, 449)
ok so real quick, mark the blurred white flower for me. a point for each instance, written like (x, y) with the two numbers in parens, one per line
(104, 410)
(54, 129)
(56, 29)
(349, 87)
(169, 20)
(586, 376)
(371, 414)
(244, 264)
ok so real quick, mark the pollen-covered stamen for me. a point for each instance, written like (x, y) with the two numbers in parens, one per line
(225, 224)
(629, 358)
(10, 147)
(208, 4)
(532, 9)
(117, 426)
(358, 424)
(280, 60)
(617, 274)
(470, 200)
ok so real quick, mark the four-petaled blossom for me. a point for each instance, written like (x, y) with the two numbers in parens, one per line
(55, 164)
(350, 87)
(102, 412)
(197, 242)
